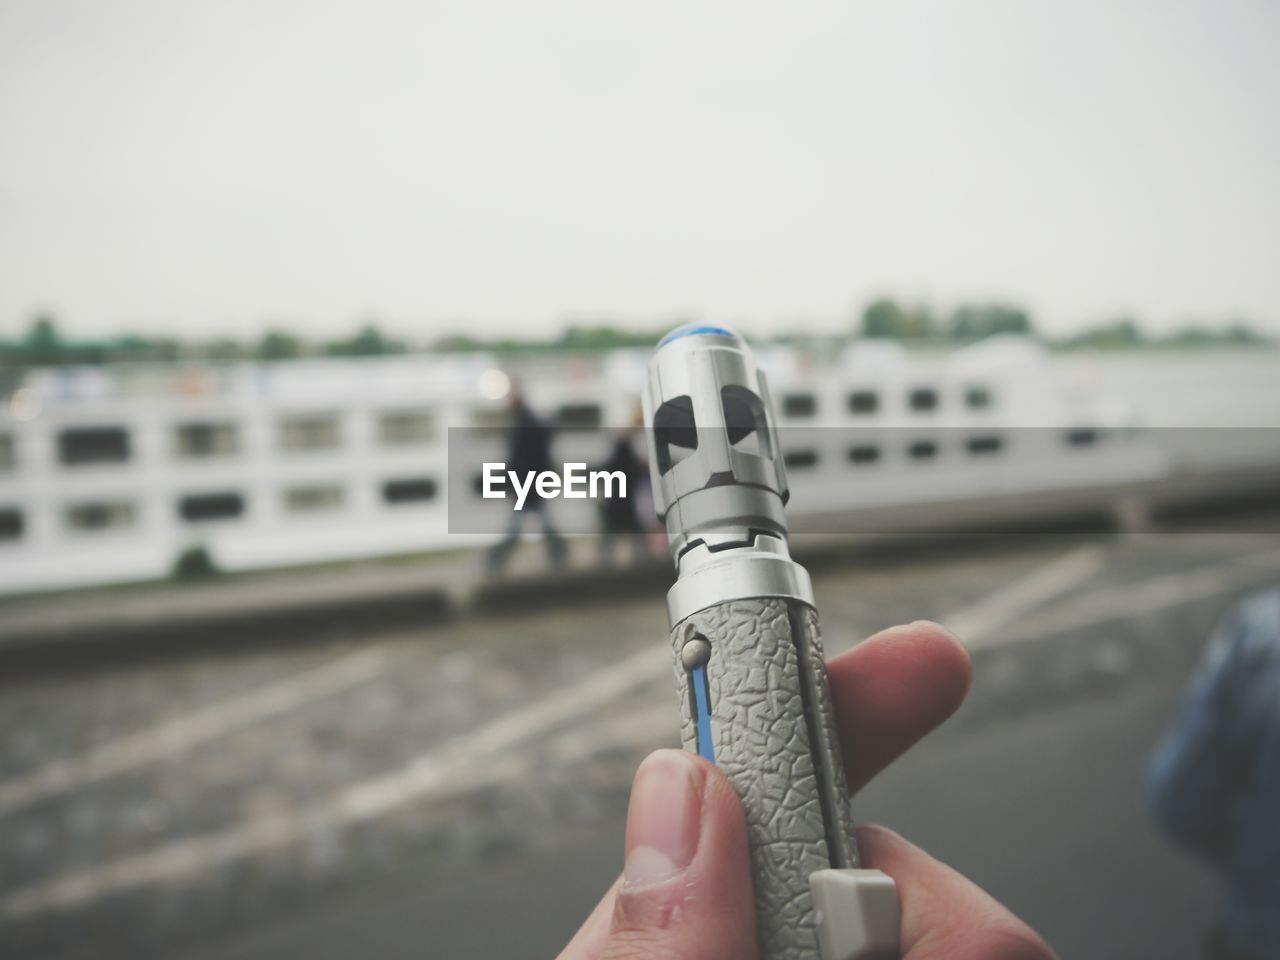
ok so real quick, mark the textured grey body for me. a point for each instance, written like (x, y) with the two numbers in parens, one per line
(765, 666)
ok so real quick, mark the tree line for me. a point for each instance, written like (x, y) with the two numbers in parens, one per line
(44, 345)
(884, 319)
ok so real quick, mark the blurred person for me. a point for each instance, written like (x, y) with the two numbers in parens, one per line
(620, 516)
(1214, 782)
(528, 453)
(685, 890)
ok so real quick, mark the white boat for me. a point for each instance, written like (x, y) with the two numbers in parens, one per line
(108, 474)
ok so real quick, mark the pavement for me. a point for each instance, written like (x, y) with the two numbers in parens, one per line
(458, 789)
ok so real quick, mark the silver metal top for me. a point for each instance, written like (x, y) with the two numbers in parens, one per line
(718, 477)
(761, 569)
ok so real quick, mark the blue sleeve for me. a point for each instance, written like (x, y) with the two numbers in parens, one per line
(1196, 773)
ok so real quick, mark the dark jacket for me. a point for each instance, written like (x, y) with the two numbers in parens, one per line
(1214, 782)
(529, 449)
(619, 514)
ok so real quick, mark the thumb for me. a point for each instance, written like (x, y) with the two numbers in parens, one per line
(686, 886)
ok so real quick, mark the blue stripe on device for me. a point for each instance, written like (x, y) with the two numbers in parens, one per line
(693, 332)
(702, 713)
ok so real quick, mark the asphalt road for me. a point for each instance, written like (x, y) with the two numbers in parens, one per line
(459, 791)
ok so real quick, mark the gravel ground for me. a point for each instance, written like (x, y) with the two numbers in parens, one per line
(456, 791)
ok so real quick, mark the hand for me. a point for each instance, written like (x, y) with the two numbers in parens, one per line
(685, 891)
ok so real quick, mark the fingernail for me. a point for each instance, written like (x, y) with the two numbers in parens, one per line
(664, 818)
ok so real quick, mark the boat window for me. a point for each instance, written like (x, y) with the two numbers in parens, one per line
(8, 457)
(984, 445)
(799, 405)
(978, 397)
(314, 498)
(923, 399)
(402, 428)
(203, 507)
(85, 445)
(312, 432)
(864, 453)
(800, 459)
(99, 515)
(863, 402)
(200, 440)
(578, 416)
(409, 490)
(11, 523)
(922, 450)
(1081, 437)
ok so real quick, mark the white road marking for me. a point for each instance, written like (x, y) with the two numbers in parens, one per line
(1267, 561)
(975, 623)
(477, 757)
(436, 771)
(1147, 596)
(649, 725)
(179, 734)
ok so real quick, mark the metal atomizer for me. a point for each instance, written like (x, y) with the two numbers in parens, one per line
(748, 656)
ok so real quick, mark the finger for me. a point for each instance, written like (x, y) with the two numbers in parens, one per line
(888, 692)
(892, 689)
(588, 943)
(686, 883)
(943, 914)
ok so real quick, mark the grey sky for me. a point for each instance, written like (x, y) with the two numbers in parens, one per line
(206, 167)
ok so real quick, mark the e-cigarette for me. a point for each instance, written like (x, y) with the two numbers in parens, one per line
(749, 670)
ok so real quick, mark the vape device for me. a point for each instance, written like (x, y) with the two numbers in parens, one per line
(749, 670)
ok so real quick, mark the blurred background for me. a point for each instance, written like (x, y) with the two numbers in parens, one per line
(1010, 269)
